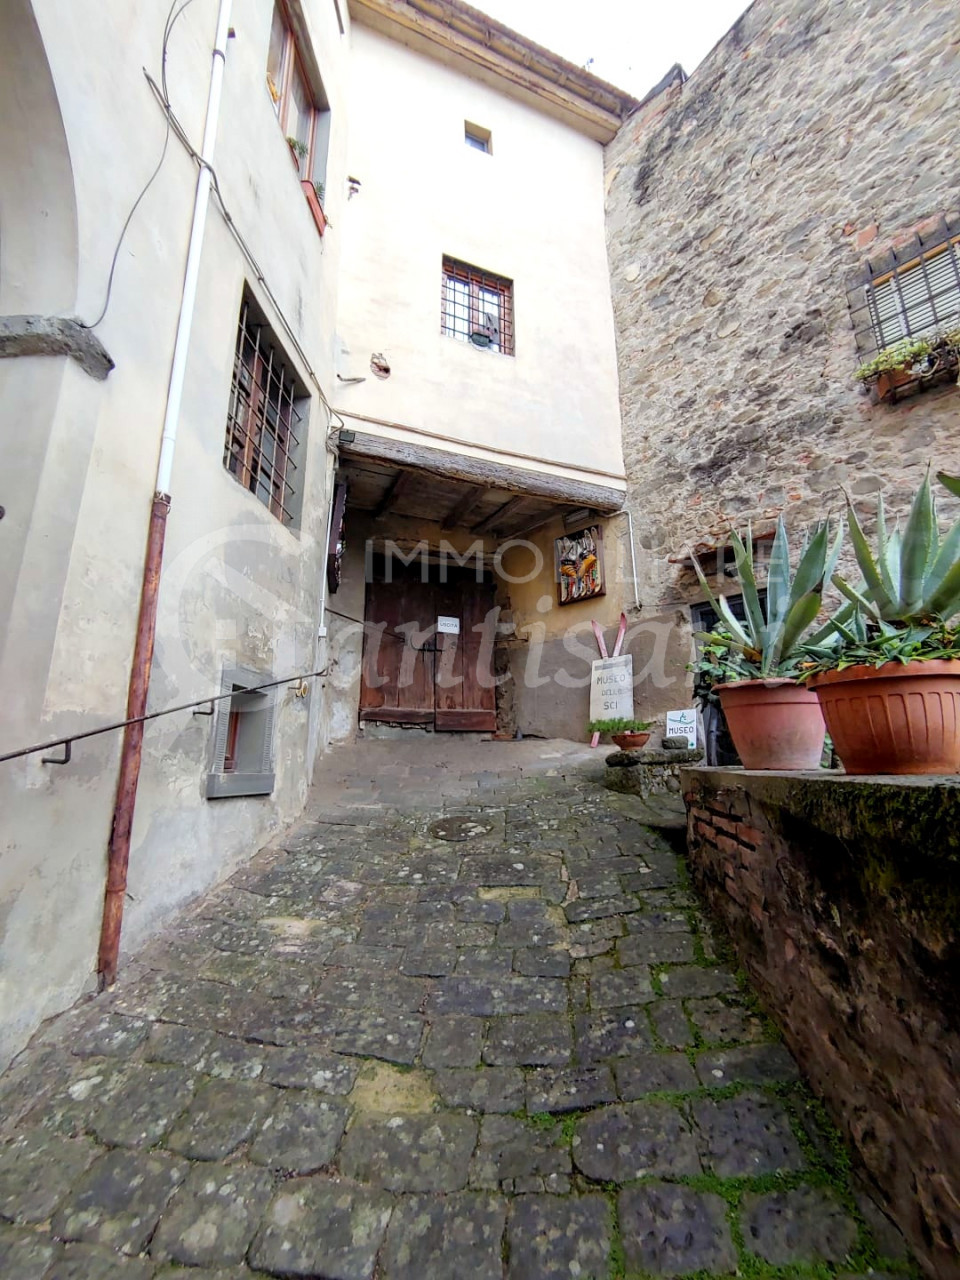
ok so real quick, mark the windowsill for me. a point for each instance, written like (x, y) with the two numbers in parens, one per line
(313, 201)
(485, 351)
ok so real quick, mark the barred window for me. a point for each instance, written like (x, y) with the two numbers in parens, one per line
(264, 423)
(912, 293)
(477, 307)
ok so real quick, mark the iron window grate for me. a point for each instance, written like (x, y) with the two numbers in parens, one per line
(914, 292)
(263, 420)
(477, 306)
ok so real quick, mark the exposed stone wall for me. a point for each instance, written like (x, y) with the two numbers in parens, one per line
(815, 134)
(841, 898)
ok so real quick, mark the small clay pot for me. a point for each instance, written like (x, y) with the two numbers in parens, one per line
(630, 741)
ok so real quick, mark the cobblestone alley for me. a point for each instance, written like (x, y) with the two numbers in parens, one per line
(459, 1031)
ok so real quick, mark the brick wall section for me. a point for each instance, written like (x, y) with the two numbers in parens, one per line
(848, 930)
(738, 205)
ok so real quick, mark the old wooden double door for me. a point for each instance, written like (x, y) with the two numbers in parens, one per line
(418, 669)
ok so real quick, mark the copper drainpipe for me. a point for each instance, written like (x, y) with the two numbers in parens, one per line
(118, 857)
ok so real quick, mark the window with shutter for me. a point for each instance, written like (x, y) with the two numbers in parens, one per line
(910, 292)
(243, 733)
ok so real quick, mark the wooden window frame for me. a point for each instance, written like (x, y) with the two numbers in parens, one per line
(261, 446)
(476, 280)
(292, 60)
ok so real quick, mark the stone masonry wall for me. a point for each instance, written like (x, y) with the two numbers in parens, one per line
(815, 135)
(841, 899)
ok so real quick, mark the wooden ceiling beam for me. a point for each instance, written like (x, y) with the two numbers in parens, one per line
(398, 484)
(468, 501)
(496, 520)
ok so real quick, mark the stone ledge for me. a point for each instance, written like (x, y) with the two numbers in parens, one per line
(54, 336)
(900, 816)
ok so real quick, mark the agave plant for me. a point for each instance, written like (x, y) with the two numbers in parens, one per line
(914, 578)
(773, 641)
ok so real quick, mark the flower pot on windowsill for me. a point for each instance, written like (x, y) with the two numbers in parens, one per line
(896, 718)
(774, 724)
(630, 741)
(889, 380)
(316, 208)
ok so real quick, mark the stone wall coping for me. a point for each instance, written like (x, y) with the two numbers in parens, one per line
(902, 815)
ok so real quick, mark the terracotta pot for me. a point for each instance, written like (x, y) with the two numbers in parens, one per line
(630, 741)
(775, 724)
(890, 379)
(898, 718)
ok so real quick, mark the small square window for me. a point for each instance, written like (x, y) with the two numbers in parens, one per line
(477, 307)
(477, 137)
(243, 737)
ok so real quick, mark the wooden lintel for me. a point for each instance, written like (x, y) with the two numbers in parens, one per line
(463, 506)
(495, 521)
(562, 490)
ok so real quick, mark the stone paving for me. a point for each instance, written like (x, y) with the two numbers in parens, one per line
(428, 1040)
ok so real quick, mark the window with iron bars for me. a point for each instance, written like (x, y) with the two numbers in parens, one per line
(914, 292)
(263, 422)
(477, 307)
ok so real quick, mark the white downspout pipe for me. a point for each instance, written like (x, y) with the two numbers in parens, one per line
(192, 273)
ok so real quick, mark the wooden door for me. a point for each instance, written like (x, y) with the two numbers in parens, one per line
(413, 675)
(397, 674)
(465, 693)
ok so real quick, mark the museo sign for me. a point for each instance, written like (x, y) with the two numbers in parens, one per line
(611, 688)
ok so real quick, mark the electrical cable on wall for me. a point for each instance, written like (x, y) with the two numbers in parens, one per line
(167, 30)
(335, 422)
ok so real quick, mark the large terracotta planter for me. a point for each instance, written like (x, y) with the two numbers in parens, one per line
(898, 718)
(775, 724)
(630, 741)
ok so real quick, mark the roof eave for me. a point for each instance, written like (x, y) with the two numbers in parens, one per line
(456, 32)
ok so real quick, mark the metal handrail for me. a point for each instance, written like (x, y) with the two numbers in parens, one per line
(67, 742)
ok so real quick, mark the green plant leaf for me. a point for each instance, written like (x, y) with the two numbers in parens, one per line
(720, 606)
(800, 617)
(919, 540)
(778, 577)
(856, 598)
(951, 483)
(756, 622)
(868, 566)
(809, 575)
(948, 554)
(945, 601)
(890, 583)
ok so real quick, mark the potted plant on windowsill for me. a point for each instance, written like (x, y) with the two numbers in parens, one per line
(890, 688)
(910, 361)
(773, 720)
(299, 150)
(314, 192)
(629, 735)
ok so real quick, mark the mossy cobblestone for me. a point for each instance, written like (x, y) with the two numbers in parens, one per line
(378, 1053)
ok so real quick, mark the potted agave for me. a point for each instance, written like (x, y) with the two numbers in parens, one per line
(629, 735)
(774, 720)
(890, 689)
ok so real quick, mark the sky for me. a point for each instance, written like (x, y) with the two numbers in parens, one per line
(633, 43)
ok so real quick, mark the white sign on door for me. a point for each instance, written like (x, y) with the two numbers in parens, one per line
(448, 626)
(611, 688)
(682, 724)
